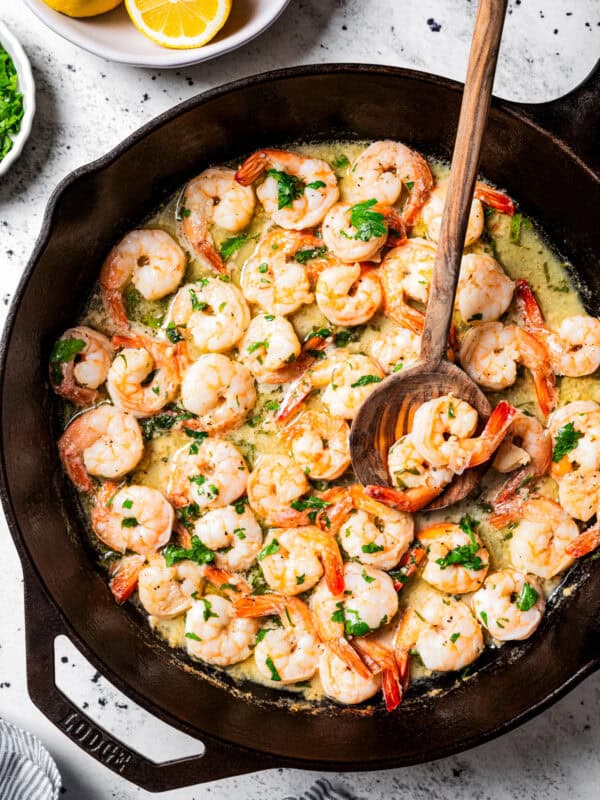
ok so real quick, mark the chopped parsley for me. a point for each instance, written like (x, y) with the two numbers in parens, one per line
(275, 676)
(454, 637)
(129, 522)
(256, 579)
(240, 533)
(187, 515)
(565, 440)
(464, 554)
(366, 222)
(208, 612)
(355, 626)
(255, 346)
(191, 635)
(367, 578)
(484, 618)
(516, 223)
(173, 333)
(64, 350)
(372, 547)
(316, 185)
(11, 103)
(300, 579)
(182, 212)
(365, 380)
(232, 245)
(269, 549)
(289, 187)
(197, 305)
(199, 553)
(528, 598)
(302, 256)
(340, 161)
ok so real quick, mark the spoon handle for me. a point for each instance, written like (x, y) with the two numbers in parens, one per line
(465, 160)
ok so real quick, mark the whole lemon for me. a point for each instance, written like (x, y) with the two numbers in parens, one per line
(83, 8)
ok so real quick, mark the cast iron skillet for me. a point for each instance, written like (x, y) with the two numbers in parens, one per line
(551, 176)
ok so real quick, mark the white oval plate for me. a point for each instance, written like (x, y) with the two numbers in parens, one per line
(114, 37)
(26, 86)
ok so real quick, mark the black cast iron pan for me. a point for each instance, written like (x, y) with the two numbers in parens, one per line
(544, 156)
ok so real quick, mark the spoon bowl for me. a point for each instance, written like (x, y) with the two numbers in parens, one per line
(388, 414)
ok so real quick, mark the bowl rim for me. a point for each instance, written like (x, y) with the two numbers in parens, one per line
(164, 58)
(27, 86)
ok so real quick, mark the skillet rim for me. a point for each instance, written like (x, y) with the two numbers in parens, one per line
(512, 110)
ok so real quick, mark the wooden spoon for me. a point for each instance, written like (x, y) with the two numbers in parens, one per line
(387, 413)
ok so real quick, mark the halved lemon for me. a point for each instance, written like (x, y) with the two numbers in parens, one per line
(180, 24)
(82, 8)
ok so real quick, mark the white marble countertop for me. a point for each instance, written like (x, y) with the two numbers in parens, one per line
(85, 106)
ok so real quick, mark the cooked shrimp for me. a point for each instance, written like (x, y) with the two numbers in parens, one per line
(444, 633)
(527, 449)
(151, 260)
(579, 493)
(434, 208)
(297, 192)
(294, 559)
(484, 290)
(541, 536)
(272, 278)
(490, 353)
(580, 421)
(219, 391)
(343, 683)
(347, 381)
(103, 442)
(396, 348)
(405, 275)
(270, 344)
(136, 518)
(124, 575)
(274, 484)
(210, 312)
(144, 375)
(357, 233)
(348, 294)
(369, 600)
(233, 533)
(574, 347)
(381, 658)
(418, 481)
(510, 604)
(457, 561)
(213, 476)
(288, 654)
(375, 534)
(213, 630)
(79, 365)
(319, 444)
(166, 592)
(443, 431)
(384, 168)
(214, 198)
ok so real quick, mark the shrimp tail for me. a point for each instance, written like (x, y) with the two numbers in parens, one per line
(490, 439)
(528, 306)
(252, 168)
(410, 500)
(124, 577)
(395, 224)
(332, 518)
(384, 662)
(229, 582)
(507, 512)
(114, 306)
(408, 566)
(588, 541)
(494, 199)
(346, 653)
(403, 314)
(72, 460)
(509, 488)
(258, 605)
(212, 255)
(294, 398)
(333, 567)
(545, 389)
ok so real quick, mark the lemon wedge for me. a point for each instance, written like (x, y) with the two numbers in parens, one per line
(180, 24)
(83, 8)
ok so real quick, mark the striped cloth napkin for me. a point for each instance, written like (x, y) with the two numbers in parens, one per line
(323, 790)
(27, 770)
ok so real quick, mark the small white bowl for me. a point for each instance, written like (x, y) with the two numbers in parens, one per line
(26, 87)
(113, 36)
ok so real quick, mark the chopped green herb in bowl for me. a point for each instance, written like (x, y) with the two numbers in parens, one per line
(17, 98)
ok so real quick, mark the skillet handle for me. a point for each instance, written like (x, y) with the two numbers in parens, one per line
(43, 624)
(574, 118)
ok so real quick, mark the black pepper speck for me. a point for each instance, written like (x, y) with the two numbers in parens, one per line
(434, 26)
